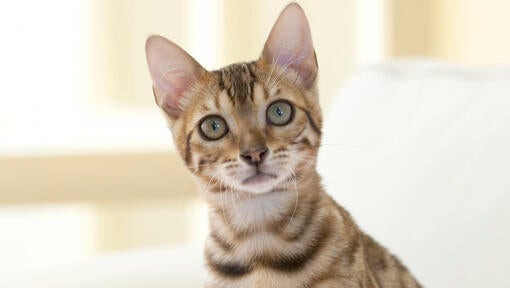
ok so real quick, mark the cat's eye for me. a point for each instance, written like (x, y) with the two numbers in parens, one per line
(213, 127)
(279, 113)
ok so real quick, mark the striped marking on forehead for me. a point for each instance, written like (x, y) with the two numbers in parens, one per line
(238, 81)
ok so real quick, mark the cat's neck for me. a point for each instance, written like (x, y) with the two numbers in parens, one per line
(245, 213)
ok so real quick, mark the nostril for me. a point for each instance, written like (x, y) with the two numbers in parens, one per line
(255, 156)
(262, 154)
(246, 157)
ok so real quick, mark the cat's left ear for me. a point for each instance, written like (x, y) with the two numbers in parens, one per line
(290, 45)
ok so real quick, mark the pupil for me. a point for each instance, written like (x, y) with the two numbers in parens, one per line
(215, 125)
(279, 111)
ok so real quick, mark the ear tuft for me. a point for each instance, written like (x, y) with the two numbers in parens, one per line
(173, 73)
(290, 44)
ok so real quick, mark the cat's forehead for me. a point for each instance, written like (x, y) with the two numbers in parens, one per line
(242, 91)
(240, 81)
(237, 80)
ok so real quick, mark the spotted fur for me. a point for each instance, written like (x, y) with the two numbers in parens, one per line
(283, 231)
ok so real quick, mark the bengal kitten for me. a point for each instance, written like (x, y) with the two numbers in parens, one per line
(250, 133)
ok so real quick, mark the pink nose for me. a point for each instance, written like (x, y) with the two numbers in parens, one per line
(255, 156)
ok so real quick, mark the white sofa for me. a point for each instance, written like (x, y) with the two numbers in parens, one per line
(417, 151)
(426, 167)
(163, 267)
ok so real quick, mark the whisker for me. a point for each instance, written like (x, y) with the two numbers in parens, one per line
(293, 177)
(232, 197)
(203, 165)
(210, 180)
(236, 193)
(287, 65)
(280, 77)
(273, 64)
(327, 146)
(343, 145)
(222, 203)
(172, 68)
(185, 187)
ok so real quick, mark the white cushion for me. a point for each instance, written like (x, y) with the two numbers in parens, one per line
(163, 267)
(419, 153)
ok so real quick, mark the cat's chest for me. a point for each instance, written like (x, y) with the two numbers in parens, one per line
(263, 279)
(260, 245)
(256, 213)
(266, 278)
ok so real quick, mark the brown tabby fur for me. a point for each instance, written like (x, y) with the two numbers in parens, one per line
(293, 235)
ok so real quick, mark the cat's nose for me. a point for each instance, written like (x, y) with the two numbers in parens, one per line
(254, 156)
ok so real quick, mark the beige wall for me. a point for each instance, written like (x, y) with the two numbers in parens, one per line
(118, 30)
(472, 32)
(411, 32)
(132, 200)
(89, 178)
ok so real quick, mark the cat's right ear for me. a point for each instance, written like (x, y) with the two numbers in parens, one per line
(290, 44)
(173, 73)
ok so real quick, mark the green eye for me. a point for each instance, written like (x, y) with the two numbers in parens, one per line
(279, 113)
(213, 127)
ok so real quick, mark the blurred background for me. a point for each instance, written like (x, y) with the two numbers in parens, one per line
(87, 165)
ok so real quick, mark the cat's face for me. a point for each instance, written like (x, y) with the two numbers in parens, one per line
(251, 126)
(249, 129)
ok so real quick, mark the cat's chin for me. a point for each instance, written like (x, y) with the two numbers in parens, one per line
(259, 178)
(260, 183)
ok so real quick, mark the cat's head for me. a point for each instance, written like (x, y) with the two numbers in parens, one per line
(249, 126)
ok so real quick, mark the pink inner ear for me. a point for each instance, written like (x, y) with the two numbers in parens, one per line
(290, 44)
(173, 72)
(174, 84)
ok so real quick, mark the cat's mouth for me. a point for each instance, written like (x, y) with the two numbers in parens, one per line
(259, 177)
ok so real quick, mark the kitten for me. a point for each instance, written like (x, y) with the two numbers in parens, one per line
(250, 133)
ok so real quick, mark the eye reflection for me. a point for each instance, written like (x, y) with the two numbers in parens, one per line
(279, 113)
(213, 127)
